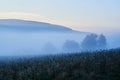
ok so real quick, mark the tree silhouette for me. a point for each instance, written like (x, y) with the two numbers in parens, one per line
(102, 42)
(49, 48)
(90, 42)
(71, 46)
(94, 42)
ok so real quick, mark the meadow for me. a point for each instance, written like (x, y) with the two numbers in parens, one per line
(97, 65)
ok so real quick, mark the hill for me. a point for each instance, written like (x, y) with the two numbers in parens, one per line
(24, 25)
(99, 65)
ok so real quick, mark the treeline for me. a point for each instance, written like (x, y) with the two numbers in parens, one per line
(98, 65)
(91, 42)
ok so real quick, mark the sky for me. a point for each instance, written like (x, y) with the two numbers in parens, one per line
(83, 15)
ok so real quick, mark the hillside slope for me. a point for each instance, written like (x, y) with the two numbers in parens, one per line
(24, 25)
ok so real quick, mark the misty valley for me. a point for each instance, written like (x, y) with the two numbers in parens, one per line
(17, 40)
(59, 39)
(31, 50)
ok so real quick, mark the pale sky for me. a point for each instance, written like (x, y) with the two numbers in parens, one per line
(83, 15)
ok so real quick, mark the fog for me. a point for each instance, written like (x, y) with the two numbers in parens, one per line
(113, 40)
(41, 43)
(31, 43)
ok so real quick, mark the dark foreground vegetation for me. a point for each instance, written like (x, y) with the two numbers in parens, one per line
(99, 65)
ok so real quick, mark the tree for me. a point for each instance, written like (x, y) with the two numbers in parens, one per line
(49, 48)
(102, 42)
(89, 42)
(71, 46)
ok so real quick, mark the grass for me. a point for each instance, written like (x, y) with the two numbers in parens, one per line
(99, 65)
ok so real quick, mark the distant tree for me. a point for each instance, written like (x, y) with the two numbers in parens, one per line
(71, 46)
(49, 48)
(102, 42)
(89, 42)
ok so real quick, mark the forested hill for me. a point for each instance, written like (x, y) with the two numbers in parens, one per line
(99, 65)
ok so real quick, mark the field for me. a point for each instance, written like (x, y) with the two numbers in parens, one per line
(98, 65)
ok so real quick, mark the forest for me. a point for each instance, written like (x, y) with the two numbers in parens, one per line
(94, 65)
